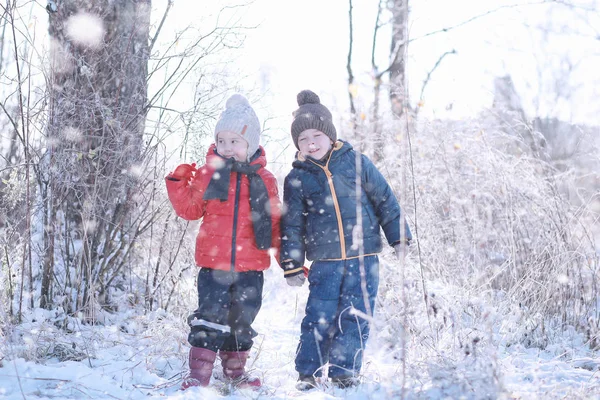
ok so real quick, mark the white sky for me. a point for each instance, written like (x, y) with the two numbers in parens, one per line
(304, 45)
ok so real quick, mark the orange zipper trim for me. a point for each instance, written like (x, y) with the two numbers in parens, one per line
(336, 205)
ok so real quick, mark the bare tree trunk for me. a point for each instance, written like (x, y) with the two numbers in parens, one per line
(351, 76)
(3, 23)
(98, 95)
(398, 100)
(49, 245)
(10, 290)
(375, 118)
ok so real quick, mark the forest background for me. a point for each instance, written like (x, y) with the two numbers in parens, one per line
(482, 115)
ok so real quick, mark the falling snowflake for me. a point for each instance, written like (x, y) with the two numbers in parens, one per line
(71, 134)
(85, 29)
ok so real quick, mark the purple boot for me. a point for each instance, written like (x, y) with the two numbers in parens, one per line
(233, 363)
(201, 365)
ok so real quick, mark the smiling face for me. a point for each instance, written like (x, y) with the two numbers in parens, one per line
(230, 144)
(314, 143)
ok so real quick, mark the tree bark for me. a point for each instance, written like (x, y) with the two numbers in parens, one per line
(98, 95)
(398, 94)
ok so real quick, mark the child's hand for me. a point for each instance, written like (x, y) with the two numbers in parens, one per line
(296, 280)
(184, 172)
(400, 250)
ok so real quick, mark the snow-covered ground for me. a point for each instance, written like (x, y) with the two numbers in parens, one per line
(137, 357)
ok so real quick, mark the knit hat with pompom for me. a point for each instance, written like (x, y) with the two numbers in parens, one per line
(240, 118)
(311, 114)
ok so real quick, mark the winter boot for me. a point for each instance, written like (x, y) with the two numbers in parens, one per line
(306, 382)
(233, 363)
(201, 365)
(345, 382)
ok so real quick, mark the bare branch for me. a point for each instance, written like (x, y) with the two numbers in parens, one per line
(12, 122)
(162, 21)
(375, 31)
(349, 62)
(476, 17)
(426, 81)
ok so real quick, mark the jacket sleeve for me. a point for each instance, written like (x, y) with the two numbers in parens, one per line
(275, 203)
(186, 195)
(384, 202)
(293, 227)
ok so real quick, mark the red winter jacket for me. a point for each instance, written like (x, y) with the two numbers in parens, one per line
(217, 244)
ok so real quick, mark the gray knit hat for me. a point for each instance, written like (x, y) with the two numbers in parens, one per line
(311, 114)
(240, 118)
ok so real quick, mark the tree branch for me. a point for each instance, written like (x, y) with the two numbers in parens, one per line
(349, 61)
(375, 31)
(437, 64)
(162, 21)
(479, 16)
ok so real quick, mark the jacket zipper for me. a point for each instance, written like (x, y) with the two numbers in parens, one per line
(235, 219)
(336, 205)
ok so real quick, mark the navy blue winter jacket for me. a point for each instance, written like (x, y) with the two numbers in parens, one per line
(320, 217)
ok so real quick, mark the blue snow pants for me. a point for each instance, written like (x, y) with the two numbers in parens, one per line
(228, 303)
(330, 332)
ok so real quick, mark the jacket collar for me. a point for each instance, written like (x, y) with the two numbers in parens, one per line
(339, 147)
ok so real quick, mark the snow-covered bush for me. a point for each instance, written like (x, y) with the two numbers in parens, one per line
(491, 219)
(502, 257)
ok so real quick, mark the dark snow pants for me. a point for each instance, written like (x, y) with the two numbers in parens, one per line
(228, 303)
(331, 332)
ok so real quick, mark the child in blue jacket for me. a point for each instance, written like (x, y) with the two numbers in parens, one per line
(330, 222)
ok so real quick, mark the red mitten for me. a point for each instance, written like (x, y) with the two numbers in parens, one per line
(184, 171)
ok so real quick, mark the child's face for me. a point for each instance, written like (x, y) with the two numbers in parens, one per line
(314, 143)
(231, 144)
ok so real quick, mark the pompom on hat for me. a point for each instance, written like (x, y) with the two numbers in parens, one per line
(239, 117)
(311, 114)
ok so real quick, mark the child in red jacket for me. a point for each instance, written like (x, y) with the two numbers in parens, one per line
(237, 199)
